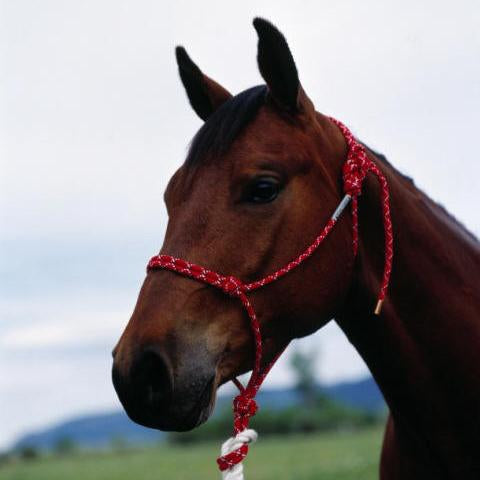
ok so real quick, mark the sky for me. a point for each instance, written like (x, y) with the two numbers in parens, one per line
(94, 121)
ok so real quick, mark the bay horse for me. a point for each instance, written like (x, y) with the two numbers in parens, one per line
(261, 177)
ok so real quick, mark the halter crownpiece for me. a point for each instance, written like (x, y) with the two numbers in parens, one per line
(355, 169)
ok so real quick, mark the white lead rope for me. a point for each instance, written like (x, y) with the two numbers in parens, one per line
(247, 436)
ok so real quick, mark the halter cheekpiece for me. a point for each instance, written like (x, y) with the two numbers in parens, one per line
(355, 168)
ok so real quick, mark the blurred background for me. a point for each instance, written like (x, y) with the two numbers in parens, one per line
(94, 121)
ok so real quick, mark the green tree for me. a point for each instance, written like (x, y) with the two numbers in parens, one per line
(118, 443)
(64, 446)
(303, 365)
(28, 452)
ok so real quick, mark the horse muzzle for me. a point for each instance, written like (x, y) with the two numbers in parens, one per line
(155, 395)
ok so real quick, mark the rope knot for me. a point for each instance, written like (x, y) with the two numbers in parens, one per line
(232, 286)
(354, 170)
(245, 406)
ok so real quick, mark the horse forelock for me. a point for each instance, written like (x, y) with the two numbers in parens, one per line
(221, 129)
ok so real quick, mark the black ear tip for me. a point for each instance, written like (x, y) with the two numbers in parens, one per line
(182, 56)
(185, 63)
(264, 27)
(258, 22)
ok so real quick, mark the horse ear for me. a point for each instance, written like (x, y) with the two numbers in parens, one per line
(276, 65)
(205, 95)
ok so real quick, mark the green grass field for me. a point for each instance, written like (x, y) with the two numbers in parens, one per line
(334, 456)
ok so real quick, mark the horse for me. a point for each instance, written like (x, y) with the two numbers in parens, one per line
(260, 179)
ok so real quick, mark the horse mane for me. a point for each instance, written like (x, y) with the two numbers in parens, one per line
(435, 205)
(221, 129)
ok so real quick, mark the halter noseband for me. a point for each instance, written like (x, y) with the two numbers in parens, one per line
(355, 168)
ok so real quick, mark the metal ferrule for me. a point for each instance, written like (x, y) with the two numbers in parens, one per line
(341, 207)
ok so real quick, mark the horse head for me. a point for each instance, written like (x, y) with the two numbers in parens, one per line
(262, 176)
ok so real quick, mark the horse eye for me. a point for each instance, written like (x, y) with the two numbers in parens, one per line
(263, 190)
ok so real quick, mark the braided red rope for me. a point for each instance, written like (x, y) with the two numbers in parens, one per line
(355, 169)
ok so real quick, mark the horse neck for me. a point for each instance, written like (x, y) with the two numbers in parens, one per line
(423, 349)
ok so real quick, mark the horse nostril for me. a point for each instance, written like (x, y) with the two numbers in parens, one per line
(152, 378)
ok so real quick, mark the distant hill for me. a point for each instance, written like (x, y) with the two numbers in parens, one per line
(92, 431)
(100, 430)
(362, 394)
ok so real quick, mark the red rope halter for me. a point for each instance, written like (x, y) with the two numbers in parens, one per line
(355, 169)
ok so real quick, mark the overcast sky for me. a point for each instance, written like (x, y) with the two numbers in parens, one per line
(93, 122)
